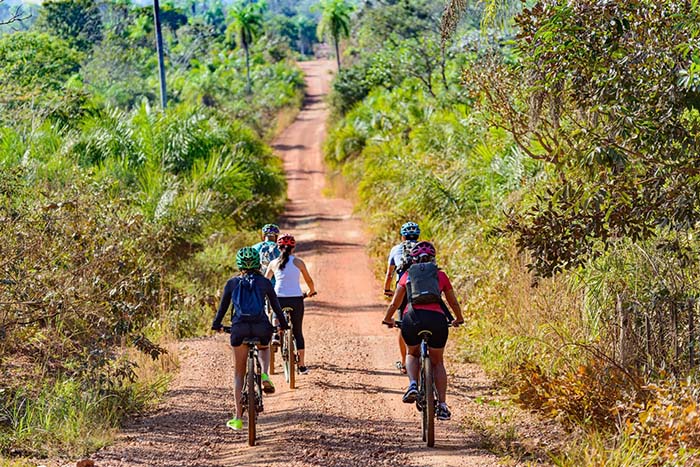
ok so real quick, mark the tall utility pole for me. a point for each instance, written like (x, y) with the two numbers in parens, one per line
(159, 47)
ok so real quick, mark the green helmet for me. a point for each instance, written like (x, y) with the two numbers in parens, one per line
(248, 258)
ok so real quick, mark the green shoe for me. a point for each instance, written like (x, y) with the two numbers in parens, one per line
(235, 424)
(268, 387)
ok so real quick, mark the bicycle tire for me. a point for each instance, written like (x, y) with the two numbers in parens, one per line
(429, 408)
(250, 377)
(292, 357)
(284, 352)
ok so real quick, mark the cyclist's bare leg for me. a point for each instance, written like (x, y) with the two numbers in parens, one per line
(439, 372)
(240, 355)
(413, 362)
(402, 349)
(301, 357)
(264, 357)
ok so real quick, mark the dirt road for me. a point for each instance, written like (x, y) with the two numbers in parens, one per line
(347, 411)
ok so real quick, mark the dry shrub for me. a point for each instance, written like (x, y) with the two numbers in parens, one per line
(588, 395)
(81, 275)
(670, 416)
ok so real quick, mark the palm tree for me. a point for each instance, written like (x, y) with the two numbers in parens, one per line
(335, 22)
(246, 23)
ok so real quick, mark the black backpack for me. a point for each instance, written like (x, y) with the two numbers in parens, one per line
(248, 301)
(424, 284)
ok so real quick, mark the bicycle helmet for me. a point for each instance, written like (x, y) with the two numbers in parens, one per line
(286, 240)
(421, 249)
(270, 229)
(410, 229)
(248, 258)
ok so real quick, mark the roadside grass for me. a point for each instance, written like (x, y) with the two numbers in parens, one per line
(69, 419)
(595, 449)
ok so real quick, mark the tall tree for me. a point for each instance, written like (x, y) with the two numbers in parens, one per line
(77, 21)
(335, 22)
(246, 21)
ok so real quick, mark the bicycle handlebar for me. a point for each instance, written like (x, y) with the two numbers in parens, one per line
(397, 324)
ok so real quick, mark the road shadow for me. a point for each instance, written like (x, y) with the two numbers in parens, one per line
(321, 439)
(289, 147)
(325, 246)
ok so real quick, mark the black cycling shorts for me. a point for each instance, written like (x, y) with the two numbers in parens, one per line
(261, 330)
(416, 320)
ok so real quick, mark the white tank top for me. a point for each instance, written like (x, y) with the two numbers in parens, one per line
(287, 280)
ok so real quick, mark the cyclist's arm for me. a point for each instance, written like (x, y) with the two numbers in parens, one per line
(390, 269)
(270, 270)
(223, 305)
(307, 277)
(395, 303)
(454, 304)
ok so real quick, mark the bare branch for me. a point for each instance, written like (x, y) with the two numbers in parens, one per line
(17, 15)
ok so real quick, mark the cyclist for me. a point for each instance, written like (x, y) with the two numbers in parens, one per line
(269, 251)
(397, 265)
(248, 289)
(268, 246)
(429, 317)
(287, 270)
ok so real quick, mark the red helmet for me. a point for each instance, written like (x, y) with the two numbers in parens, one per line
(286, 240)
(422, 249)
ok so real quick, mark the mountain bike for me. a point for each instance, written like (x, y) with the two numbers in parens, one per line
(288, 348)
(252, 393)
(427, 392)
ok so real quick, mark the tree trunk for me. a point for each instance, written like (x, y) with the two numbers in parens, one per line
(336, 41)
(159, 47)
(247, 67)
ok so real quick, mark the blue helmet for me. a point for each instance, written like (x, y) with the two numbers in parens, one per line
(410, 229)
(270, 229)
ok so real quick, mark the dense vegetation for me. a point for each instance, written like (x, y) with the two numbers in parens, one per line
(553, 160)
(118, 221)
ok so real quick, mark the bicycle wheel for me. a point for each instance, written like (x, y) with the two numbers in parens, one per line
(284, 351)
(292, 356)
(429, 407)
(250, 377)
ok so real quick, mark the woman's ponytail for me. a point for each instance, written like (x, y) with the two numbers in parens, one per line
(286, 253)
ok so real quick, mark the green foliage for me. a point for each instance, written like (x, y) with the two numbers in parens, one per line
(118, 222)
(78, 22)
(30, 60)
(579, 136)
(615, 129)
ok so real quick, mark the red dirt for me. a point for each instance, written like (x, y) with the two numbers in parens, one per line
(347, 411)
